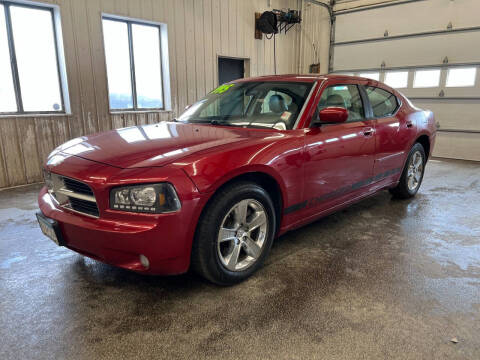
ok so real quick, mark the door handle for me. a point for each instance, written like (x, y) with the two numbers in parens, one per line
(409, 124)
(368, 131)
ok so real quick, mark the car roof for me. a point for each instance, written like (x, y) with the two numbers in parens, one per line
(285, 77)
(303, 78)
(320, 77)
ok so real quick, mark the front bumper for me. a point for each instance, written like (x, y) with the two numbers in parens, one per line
(119, 238)
(165, 241)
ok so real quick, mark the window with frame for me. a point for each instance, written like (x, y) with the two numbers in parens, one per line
(383, 102)
(346, 96)
(29, 60)
(134, 64)
(396, 79)
(426, 78)
(461, 77)
(370, 75)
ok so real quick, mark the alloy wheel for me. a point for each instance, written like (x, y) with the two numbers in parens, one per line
(415, 171)
(242, 235)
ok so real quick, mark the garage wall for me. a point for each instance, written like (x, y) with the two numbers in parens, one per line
(314, 37)
(417, 35)
(198, 31)
(355, 4)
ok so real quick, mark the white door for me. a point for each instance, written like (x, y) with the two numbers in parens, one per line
(430, 51)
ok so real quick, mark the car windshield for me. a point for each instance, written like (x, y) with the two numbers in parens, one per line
(251, 104)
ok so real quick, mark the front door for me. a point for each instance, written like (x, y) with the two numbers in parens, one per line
(339, 157)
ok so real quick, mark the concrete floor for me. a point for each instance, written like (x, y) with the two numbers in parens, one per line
(383, 279)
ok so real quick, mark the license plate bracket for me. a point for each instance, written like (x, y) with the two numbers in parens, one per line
(51, 229)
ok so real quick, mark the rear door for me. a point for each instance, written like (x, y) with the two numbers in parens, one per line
(393, 132)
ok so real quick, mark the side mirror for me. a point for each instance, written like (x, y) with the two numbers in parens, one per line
(331, 115)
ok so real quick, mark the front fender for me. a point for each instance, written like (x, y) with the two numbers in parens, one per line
(282, 161)
(246, 169)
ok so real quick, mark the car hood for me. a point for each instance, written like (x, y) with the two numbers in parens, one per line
(154, 145)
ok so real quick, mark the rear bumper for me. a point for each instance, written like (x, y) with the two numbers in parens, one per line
(165, 239)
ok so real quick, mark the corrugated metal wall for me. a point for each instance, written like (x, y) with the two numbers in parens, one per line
(314, 37)
(198, 31)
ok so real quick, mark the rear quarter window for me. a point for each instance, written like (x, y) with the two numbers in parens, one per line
(383, 102)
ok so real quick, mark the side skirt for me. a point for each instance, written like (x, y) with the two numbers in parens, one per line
(334, 209)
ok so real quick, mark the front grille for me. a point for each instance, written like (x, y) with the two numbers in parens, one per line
(77, 186)
(73, 194)
(84, 206)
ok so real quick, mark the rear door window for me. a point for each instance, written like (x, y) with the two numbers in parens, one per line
(383, 103)
(345, 96)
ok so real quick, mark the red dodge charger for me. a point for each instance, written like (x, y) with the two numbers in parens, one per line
(251, 160)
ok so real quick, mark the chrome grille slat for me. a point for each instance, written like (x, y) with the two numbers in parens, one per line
(83, 206)
(77, 187)
(74, 195)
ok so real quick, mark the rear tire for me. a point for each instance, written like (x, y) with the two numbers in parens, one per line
(234, 234)
(412, 174)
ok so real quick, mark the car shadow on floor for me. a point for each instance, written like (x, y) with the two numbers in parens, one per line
(100, 274)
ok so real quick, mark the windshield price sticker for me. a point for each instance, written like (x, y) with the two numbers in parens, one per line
(222, 88)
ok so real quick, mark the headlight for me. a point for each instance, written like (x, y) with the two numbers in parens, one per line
(153, 198)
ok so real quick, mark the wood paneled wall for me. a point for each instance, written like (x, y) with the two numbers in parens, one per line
(198, 32)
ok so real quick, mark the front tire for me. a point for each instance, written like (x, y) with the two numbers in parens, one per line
(412, 174)
(234, 234)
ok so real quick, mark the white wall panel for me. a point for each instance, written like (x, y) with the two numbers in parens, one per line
(458, 47)
(314, 38)
(453, 114)
(458, 146)
(421, 16)
(451, 110)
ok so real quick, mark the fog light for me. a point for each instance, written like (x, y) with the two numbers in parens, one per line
(144, 261)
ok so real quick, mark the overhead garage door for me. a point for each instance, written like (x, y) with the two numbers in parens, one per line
(430, 51)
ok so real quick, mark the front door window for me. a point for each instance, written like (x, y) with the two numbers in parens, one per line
(345, 96)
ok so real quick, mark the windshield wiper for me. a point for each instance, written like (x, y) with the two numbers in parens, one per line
(221, 123)
(217, 122)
